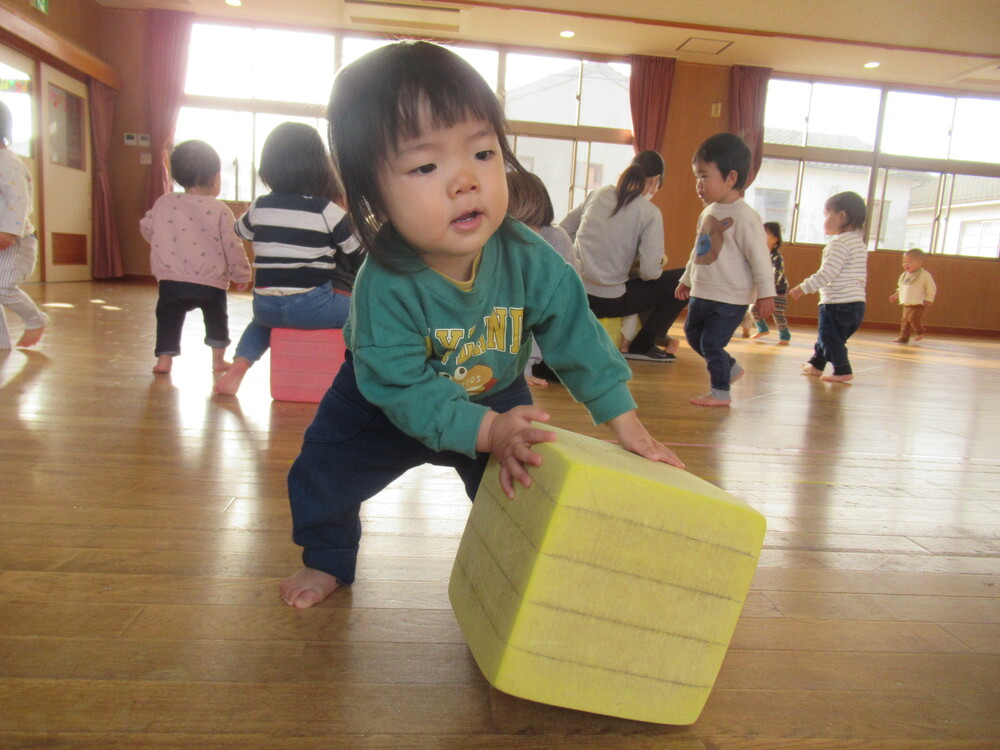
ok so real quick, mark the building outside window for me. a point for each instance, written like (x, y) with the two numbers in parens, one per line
(824, 138)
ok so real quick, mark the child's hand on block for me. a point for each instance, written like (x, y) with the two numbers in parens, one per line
(633, 436)
(509, 437)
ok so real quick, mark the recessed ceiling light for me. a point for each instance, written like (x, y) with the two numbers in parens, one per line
(872, 64)
(567, 34)
(234, 3)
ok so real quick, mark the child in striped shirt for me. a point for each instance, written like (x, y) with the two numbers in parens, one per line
(840, 282)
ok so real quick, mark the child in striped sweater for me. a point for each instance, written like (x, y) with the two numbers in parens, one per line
(840, 282)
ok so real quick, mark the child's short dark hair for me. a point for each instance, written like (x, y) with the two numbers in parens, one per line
(379, 100)
(729, 153)
(194, 164)
(294, 161)
(529, 201)
(915, 252)
(853, 206)
(6, 125)
(775, 229)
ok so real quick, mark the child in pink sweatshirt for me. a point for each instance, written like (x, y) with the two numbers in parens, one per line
(195, 253)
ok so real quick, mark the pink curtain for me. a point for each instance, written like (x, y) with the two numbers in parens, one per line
(649, 96)
(107, 260)
(747, 95)
(167, 35)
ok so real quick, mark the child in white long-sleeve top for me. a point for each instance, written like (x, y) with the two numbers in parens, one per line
(195, 253)
(730, 264)
(915, 291)
(840, 282)
(18, 246)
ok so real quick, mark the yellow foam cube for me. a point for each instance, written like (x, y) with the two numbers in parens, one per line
(614, 328)
(612, 585)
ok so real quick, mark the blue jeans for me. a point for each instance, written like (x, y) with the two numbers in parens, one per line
(837, 322)
(351, 452)
(318, 308)
(708, 328)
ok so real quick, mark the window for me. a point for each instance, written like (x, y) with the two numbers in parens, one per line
(917, 124)
(820, 181)
(772, 205)
(267, 64)
(66, 128)
(571, 116)
(938, 163)
(567, 91)
(776, 178)
(917, 235)
(822, 115)
(981, 238)
(231, 134)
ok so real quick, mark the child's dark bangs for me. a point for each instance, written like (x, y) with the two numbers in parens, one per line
(449, 97)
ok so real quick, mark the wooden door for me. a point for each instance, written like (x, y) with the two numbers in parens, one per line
(66, 178)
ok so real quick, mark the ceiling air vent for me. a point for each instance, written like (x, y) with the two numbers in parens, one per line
(401, 15)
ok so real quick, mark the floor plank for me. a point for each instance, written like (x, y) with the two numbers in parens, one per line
(144, 528)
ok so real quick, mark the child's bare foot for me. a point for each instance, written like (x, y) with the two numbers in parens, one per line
(31, 336)
(900, 341)
(230, 382)
(307, 587)
(836, 378)
(531, 380)
(918, 337)
(783, 342)
(709, 400)
(163, 364)
(758, 334)
(746, 332)
(808, 369)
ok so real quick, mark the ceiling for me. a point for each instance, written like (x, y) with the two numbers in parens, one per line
(928, 43)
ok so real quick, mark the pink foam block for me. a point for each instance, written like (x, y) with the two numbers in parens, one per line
(303, 363)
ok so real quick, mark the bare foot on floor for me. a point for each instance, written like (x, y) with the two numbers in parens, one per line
(534, 382)
(837, 378)
(808, 369)
(709, 400)
(307, 587)
(229, 383)
(163, 364)
(31, 336)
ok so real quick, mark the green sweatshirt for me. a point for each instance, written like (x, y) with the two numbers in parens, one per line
(425, 350)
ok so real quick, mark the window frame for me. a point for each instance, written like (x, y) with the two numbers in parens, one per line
(580, 135)
(880, 162)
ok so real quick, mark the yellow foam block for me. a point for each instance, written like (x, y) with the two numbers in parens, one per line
(614, 328)
(612, 585)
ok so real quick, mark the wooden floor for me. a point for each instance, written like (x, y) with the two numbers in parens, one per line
(144, 527)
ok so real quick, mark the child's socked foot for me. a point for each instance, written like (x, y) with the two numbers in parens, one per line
(307, 587)
(31, 336)
(836, 378)
(709, 400)
(163, 364)
(808, 369)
